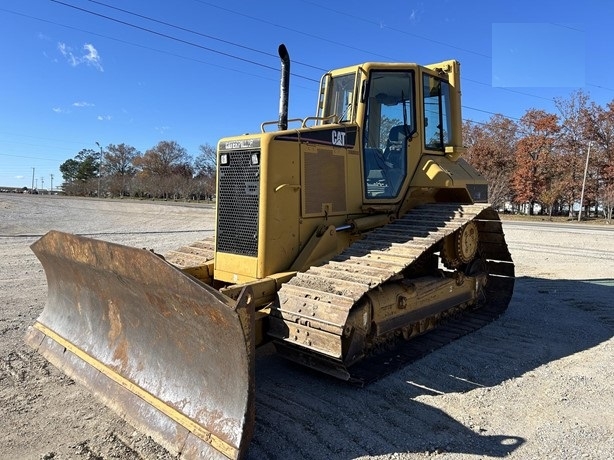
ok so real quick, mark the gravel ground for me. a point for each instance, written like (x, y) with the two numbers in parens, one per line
(537, 383)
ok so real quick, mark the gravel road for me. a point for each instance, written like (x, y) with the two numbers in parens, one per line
(536, 383)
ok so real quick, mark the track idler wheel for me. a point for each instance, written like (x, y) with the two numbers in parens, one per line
(461, 246)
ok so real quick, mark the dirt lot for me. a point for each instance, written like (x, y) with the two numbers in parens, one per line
(537, 383)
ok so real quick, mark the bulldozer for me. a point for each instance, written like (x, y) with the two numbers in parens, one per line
(356, 241)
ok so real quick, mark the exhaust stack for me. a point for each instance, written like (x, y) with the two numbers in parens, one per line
(285, 87)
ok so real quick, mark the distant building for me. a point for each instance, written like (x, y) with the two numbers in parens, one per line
(14, 189)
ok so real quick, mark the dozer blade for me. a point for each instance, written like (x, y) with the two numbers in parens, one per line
(171, 355)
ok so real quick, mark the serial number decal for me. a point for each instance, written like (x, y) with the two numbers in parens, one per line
(241, 144)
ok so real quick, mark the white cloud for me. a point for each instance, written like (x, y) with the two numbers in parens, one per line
(19, 177)
(67, 53)
(82, 104)
(90, 57)
(415, 14)
(60, 110)
(103, 117)
(162, 129)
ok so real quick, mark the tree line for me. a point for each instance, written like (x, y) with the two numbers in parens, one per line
(165, 171)
(548, 161)
(545, 162)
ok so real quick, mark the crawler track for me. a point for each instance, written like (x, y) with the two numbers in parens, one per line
(315, 305)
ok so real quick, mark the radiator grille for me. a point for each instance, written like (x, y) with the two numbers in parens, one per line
(238, 203)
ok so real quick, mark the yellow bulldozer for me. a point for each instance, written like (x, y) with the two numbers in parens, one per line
(357, 241)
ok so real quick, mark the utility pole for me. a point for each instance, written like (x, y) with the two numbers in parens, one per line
(36, 184)
(42, 183)
(32, 188)
(584, 181)
(51, 187)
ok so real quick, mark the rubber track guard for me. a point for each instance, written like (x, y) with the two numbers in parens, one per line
(169, 354)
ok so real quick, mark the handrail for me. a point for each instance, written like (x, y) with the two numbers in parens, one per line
(330, 117)
(266, 123)
(302, 121)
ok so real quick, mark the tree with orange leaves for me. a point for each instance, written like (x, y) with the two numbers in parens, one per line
(533, 156)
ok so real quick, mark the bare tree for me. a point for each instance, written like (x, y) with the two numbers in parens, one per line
(599, 124)
(159, 164)
(119, 167)
(571, 149)
(160, 160)
(205, 165)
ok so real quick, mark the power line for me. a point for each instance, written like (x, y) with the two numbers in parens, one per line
(464, 79)
(229, 42)
(232, 43)
(490, 113)
(516, 129)
(345, 14)
(26, 157)
(300, 32)
(33, 137)
(200, 34)
(401, 31)
(263, 52)
(168, 53)
(600, 87)
(564, 26)
(179, 40)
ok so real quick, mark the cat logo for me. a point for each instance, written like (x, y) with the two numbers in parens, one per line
(338, 138)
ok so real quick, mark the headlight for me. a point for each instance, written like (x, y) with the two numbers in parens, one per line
(255, 159)
(224, 159)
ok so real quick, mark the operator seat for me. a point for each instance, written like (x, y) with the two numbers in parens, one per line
(395, 157)
(395, 146)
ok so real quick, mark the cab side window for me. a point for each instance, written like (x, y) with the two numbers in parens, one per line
(437, 115)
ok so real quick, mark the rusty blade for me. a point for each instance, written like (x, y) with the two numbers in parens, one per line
(170, 354)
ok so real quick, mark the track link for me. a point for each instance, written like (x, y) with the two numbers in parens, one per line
(314, 307)
(196, 254)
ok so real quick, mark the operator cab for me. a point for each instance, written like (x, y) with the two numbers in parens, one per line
(387, 102)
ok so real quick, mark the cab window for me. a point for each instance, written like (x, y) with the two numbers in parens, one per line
(340, 97)
(437, 115)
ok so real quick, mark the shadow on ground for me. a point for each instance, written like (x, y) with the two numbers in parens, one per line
(303, 414)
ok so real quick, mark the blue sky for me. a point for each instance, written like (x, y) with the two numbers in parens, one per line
(77, 72)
